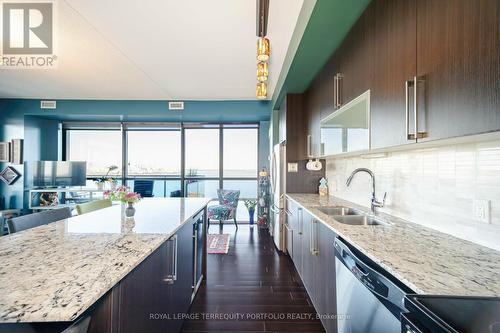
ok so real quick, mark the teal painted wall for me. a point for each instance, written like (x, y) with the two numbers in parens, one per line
(23, 119)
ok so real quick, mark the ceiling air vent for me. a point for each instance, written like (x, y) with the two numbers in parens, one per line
(47, 104)
(176, 105)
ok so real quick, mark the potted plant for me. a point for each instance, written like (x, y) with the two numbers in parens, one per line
(250, 205)
(126, 197)
(103, 180)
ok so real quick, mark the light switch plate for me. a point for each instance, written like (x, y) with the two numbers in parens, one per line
(482, 210)
(293, 167)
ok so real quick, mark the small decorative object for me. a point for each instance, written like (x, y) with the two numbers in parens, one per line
(264, 198)
(48, 199)
(9, 175)
(123, 195)
(130, 210)
(250, 205)
(323, 187)
(103, 180)
(261, 90)
(263, 49)
(4, 151)
(16, 151)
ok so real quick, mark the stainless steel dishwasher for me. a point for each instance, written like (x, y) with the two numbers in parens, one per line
(368, 301)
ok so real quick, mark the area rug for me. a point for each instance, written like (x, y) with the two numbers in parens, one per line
(218, 244)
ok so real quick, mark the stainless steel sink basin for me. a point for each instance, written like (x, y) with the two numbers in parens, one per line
(359, 220)
(338, 210)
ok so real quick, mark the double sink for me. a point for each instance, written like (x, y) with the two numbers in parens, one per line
(346, 215)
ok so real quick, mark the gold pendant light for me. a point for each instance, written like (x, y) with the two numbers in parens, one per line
(262, 71)
(263, 49)
(261, 90)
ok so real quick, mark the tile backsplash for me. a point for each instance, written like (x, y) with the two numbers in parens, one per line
(435, 187)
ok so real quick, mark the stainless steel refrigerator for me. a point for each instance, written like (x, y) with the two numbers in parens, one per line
(278, 186)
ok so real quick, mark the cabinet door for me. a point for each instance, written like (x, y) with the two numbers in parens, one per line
(325, 296)
(355, 60)
(458, 47)
(308, 276)
(144, 291)
(297, 240)
(182, 287)
(393, 40)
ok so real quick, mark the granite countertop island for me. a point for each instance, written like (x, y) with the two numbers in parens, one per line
(426, 260)
(57, 271)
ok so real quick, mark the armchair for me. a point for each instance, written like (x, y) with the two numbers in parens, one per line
(226, 209)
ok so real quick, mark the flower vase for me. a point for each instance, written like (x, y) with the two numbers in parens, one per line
(130, 210)
(100, 186)
(250, 216)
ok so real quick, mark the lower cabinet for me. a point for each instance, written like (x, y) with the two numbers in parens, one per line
(314, 259)
(153, 297)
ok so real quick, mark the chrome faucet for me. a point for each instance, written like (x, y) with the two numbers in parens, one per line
(374, 203)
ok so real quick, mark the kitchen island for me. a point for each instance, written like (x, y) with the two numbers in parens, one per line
(102, 266)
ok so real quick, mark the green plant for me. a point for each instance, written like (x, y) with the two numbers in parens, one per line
(250, 204)
(106, 178)
(122, 194)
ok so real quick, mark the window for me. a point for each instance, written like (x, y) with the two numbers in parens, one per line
(154, 153)
(202, 152)
(100, 148)
(215, 156)
(240, 152)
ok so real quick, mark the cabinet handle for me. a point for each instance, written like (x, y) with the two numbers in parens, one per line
(195, 254)
(313, 237)
(171, 278)
(337, 92)
(416, 81)
(309, 139)
(408, 84)
(301, 221)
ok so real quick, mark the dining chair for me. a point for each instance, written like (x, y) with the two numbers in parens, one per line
(92, 206)
(226, 209)
(144, 187)
(29, 221)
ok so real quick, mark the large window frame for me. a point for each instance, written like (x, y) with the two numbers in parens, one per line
(125, 127)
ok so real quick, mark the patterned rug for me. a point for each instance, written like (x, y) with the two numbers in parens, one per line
(218, 244)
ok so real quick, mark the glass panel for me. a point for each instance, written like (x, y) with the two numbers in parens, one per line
(240, 152)
(347, 129)
(154, 153)
(202, 152)
(201, 188)
(247, 188)
(161, 188)
(100, 148)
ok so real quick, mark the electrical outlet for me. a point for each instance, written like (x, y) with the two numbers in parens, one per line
(293, 167)
(482, 210)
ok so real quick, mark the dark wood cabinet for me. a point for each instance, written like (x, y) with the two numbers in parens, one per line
(182, 286)
(452, 47)
(145, 292)
(392, 38)
(355, 59)
(154, 295)
(458, 58)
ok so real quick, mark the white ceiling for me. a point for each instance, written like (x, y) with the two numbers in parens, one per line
(156, 49)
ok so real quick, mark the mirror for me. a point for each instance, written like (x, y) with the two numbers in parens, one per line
(348, 128)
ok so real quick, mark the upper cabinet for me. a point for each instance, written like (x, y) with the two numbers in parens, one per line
(458, 61)
(393, 52)
(432, 68)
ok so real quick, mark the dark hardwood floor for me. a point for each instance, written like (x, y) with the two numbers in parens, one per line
(253, 288)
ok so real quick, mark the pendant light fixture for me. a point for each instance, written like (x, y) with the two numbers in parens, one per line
(262, 71)
(263, 49)
(261, 90)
